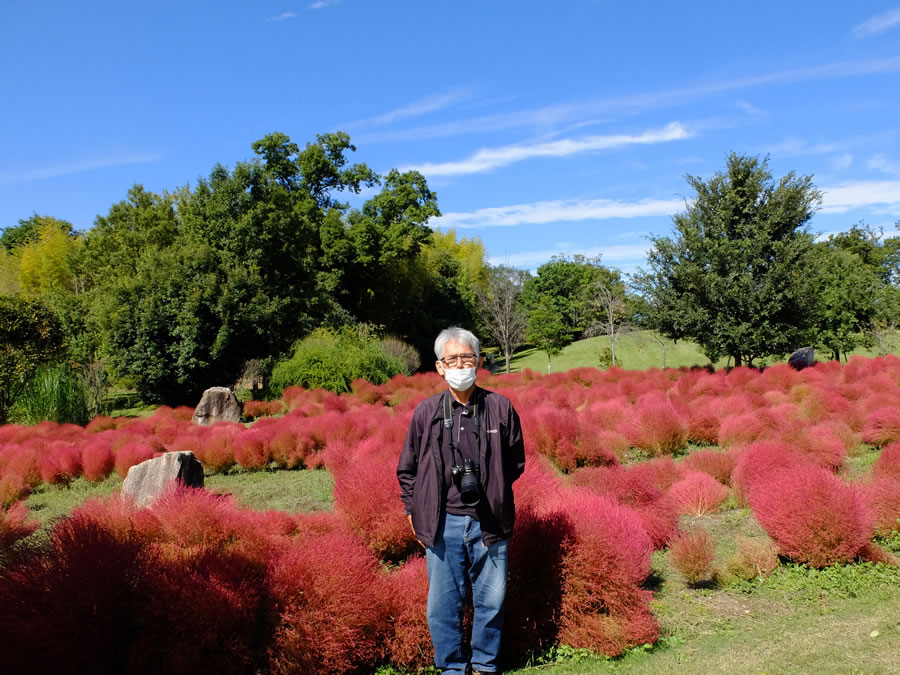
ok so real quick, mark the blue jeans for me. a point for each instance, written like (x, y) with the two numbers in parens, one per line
(457, 560)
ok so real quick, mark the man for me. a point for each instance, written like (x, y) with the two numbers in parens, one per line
(462, 453)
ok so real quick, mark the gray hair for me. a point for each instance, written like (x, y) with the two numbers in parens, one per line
(456, 334)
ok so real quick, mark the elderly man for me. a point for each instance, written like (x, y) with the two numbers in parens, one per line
(462, 453)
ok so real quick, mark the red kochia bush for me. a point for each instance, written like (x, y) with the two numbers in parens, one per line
(888, 462)
(410, 645)
(330, 608)
(693, 554)
(812, 515)
(132, 453)
(656, 426)
(97, 459)
(698, 494)
(14, 525)
(882, 496)
(882, 426)
(759, 459)
(603, 607)
(717, 464)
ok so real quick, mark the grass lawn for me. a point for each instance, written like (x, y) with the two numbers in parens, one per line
(840, 620)
(634, 351)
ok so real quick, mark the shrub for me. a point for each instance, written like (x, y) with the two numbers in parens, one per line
(332, 360)
(888, 462)
(757, 460)
(251, 449)
(133, 452)
(717, 464)
(656, 426)
(882, 496)
(395, 348)
(330, 612)
(603, 607)
(97, 460)
(698, 494)
(15, 525)
(882, 426)
(410, 645)
(535, 583)
(255, 409)
(755, 558)
(693, 554)
(811, 514)
(61, 464)
(12, 489)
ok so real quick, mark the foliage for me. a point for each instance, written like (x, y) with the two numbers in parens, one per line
(693, 554)
(736, 277)
(30, 336)
(29, 230)
(845, 300)
(55, 393)
(47, 263)
(333, 359)
(812, 516)
(546, 328)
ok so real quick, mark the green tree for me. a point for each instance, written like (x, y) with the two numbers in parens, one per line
(845, 301)
(47, 262)
(572, 284)
(547, 330)
(30, 336)
(736, 277)
(29, 229)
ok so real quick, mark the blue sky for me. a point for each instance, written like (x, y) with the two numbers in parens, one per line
(545, 127)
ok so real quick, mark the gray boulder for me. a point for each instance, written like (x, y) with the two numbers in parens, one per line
(217, 404)
(802, 358)
(147, 481)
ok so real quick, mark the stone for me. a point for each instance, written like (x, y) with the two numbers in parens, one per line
(802, 358)
(147, 481)
(217, 404)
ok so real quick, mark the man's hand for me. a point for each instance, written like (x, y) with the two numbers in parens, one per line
(409, 515)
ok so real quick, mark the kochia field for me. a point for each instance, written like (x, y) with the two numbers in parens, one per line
(616, 459)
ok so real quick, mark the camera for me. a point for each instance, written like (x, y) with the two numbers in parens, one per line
(467, 477)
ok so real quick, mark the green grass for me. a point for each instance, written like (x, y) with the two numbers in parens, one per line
(634, 351)
(282, 490)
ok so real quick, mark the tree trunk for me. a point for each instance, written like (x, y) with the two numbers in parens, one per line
(506, 354)
(612, 350)
(548, 363)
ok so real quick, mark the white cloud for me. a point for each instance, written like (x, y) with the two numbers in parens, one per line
(67, 169)
(284, 16)
(568, 113)
(859, 194)
(557, 211)
(880, 162)
(492, 158)
(842, 162)
(797, 146)
(415, 109)
(877, 24)
(322, 4)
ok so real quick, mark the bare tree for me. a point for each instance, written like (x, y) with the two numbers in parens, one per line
(500, 310)
(612, 307)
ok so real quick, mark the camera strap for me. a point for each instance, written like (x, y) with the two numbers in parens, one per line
(448, 425)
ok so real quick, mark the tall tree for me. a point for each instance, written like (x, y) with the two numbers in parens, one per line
(612, 311)
(501, 312)
(736, 275)
(547, 329)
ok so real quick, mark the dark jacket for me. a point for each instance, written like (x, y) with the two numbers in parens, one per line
(501, 458)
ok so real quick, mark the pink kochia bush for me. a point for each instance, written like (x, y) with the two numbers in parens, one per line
(15, 525)
(698, 494)
(812, 515)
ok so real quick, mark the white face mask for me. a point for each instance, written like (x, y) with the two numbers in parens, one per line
(460, 378)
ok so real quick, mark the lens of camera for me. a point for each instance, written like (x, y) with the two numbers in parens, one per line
(469, 489)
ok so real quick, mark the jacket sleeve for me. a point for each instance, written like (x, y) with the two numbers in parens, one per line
(515, 444)
(408, 466)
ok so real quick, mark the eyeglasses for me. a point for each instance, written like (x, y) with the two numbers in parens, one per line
(454, 360)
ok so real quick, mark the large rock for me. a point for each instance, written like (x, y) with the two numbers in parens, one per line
(147, 481)
(217, 404)
(802, 358)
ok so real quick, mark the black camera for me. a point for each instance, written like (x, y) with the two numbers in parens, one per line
(467, 477)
